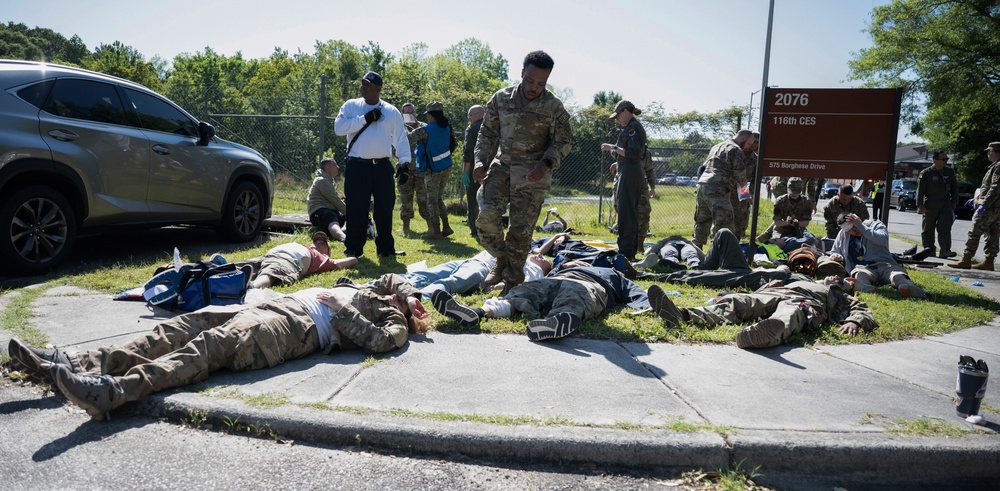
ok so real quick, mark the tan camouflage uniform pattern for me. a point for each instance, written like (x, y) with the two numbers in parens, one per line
(824, 303)
(414, 184)
(834, 207)
(799, 209)
(523, 133)
(779, 186)
(989, 222)
(741, 209)
(186, 349)
(714, 206)
(546, 297)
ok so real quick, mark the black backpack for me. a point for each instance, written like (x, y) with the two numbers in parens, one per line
(196, 285)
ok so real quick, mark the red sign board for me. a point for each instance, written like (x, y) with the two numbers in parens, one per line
(829, 133)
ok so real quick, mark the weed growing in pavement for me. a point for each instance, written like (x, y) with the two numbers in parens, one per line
(925, 427)
(679, 424)
(371, 361)
(16, 317)
(196, 418)
(733, 479)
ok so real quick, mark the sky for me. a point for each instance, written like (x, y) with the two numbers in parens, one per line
(689, 55)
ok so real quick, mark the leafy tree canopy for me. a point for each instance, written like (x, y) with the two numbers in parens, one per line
(946, 57)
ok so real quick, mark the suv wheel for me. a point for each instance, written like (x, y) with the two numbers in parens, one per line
(38, 232)
(243, 216)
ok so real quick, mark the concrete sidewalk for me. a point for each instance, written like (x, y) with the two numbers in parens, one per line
(824, 412)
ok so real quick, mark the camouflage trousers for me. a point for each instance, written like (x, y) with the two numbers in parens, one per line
(739, 308)
(986, 224)
(280, 266)
(414, 185)
(741, 216)
(507, 186)
(546, 297)
(713, 211)
(435, 183)
(186, 349)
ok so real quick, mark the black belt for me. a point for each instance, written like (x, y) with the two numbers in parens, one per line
(369, 161)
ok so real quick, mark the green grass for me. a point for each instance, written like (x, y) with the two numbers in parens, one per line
(956, 307)
(16, 317)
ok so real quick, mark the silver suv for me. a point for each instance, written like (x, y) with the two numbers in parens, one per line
(81, 152)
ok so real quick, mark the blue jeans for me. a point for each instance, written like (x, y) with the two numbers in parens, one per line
(457, 277)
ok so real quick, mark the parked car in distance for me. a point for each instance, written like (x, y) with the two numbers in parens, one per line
(667, 180)
(903, 194)
(966, 191)
(82, 152)
(688, 181)
(830, 190)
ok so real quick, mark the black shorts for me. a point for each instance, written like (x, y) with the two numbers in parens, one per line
(323, 217)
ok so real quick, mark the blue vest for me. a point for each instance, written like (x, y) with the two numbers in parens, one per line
(434, 153)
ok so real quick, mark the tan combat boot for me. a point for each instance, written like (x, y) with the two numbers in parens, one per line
(496, 274)
(986, 265)
(964, 263)
(433, 231)
(445, 228)
(406, 226)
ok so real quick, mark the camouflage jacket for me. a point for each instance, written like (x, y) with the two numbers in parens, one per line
(524, 132)
(834, 208)
(798, 209)
(724, 160)
(370, 321)
(989, 191)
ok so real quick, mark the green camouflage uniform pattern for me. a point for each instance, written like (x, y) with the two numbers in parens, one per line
(799, 209)
(779, 186)
(937, 191)
(186, 349)
(785, 303)
(523, 133)
(414, 184)
(741, 208)
(811, 189)
(435, 183)
(989, 222)
(568, 292)
(714, 206)
(834, 208)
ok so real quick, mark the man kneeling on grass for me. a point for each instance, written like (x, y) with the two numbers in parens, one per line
(556, 304)
(783, 310)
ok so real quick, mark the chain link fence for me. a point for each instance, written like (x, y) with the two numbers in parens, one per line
(582, 186)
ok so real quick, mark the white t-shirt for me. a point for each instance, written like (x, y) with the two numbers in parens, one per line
(381, 136)
(321, 315)
(298, 252)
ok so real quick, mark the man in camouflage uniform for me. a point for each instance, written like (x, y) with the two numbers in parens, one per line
(530, 130)
(476, 114)
(779, 186)
(714, 207)
(185, 349)
(784, 310)
(986, 219)
(937, 198)
(792, 214)
(413, 184)
(741, 205)
(557, 303)
(844, 202)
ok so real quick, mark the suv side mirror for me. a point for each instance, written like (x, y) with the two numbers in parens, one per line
(205, 133)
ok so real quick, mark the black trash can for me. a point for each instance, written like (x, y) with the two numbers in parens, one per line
(970, 386)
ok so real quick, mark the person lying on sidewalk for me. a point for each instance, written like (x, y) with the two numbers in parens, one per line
(287, 263)
(556, 304)
(863, 246)
(186, 348)
(780, 311)
(726, 266)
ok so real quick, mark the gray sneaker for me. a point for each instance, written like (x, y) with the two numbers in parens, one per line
(558, 326)
(663, 306)
(763, 334)
(38, 362)
(96, 394)
(447, 305)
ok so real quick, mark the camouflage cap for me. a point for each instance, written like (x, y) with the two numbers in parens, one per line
(435, 106)
(994, 145)
(795, 185)
(621, 106)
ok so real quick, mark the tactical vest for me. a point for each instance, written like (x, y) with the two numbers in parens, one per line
(434, 153)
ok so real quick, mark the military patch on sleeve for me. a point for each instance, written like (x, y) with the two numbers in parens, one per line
(631, 132)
